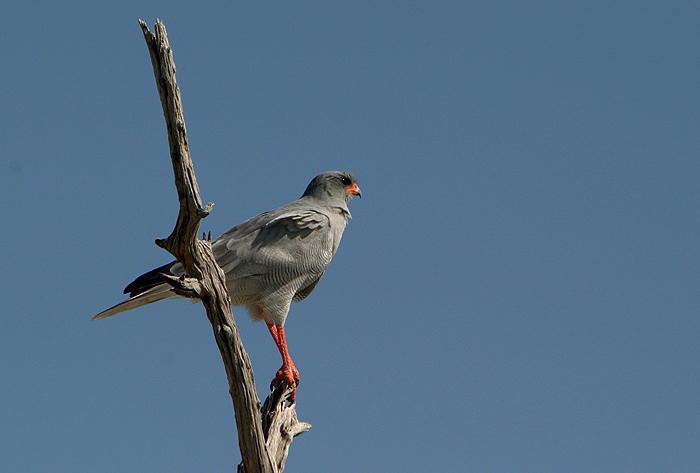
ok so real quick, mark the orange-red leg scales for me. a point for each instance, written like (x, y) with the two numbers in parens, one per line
(288, 372)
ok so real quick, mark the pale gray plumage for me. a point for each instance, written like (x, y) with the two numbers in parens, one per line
(272, 259)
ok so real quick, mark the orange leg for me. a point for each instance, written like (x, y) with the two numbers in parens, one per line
(288, 371)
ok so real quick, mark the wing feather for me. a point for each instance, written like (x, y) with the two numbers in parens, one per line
(276, 241)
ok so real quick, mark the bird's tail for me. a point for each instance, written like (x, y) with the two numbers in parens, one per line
(155, 294)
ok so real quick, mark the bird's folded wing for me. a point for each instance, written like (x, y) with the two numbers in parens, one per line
(295, 221)
(274, 240)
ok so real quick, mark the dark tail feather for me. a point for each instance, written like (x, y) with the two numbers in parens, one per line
(149, 280)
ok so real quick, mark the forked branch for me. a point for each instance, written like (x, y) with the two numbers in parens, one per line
(265, 450)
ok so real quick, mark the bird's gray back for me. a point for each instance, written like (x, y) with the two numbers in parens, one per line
(280, 255)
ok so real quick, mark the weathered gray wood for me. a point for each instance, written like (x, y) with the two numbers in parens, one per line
(261, 451)
(280, 425)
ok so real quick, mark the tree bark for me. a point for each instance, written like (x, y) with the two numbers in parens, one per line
(264, 442)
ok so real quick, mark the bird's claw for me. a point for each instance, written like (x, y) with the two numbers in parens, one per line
(290, 375)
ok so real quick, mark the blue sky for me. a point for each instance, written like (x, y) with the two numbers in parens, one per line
(517, 290)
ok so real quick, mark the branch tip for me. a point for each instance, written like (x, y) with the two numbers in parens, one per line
(206, 210)
(184, 286)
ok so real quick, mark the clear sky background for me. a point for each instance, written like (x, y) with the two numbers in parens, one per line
(517, 290)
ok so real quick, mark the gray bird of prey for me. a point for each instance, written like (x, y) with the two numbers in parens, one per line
(270, 260)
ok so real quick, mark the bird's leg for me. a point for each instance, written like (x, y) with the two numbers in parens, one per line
(288, 371)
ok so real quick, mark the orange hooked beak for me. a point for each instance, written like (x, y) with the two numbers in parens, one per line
(354, 190)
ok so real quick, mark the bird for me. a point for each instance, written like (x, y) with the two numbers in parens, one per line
(271, 260)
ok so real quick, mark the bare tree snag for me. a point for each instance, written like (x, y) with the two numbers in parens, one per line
(264, 442)
(280, 425)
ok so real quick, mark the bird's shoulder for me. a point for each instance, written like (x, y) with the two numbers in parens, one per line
(295, 216)
(278, 236)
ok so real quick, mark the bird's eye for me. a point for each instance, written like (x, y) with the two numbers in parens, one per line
(345, 181)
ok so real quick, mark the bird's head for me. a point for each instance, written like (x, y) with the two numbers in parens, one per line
(333, 185)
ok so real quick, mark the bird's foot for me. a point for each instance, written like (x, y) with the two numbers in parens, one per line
(289, 374)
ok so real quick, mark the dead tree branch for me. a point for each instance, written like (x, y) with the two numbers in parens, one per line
(263, 451)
